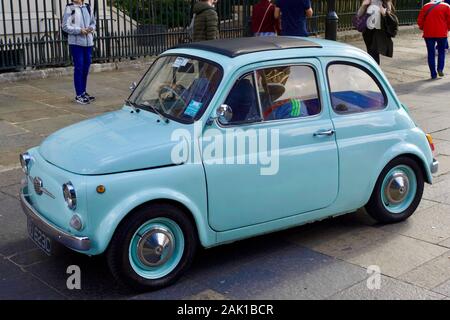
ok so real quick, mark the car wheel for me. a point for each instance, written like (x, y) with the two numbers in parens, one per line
(152, 247)
(397, 192)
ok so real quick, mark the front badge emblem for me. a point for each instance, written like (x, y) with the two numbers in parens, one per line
(38, 185)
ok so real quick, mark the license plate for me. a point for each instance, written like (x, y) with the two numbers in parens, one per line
(39, 238)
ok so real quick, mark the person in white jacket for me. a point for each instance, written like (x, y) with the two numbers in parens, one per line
(79, 24)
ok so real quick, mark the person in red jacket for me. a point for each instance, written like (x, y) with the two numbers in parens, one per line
(265, 19)
(434, 20)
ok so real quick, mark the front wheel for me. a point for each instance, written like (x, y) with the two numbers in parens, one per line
(397, 192)
(152, 247)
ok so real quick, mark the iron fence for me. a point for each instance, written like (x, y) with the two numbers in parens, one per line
(31, 34)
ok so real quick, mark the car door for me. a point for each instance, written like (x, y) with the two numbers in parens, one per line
(278, 156)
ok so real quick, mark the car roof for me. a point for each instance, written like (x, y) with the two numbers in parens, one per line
(234, 47)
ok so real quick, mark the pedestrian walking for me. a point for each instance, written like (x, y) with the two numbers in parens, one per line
(446, 42)
(265, 19)
(79, 25)
(206, 22)
(434, 21)
(376, 37)
(293, 17)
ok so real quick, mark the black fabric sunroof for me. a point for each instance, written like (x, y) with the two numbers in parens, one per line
(239, 46)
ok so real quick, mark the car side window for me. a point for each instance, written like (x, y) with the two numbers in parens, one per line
(353, 89)
(243, 101)
(288, 92)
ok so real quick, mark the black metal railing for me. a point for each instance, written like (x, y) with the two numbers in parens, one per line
(31, 34)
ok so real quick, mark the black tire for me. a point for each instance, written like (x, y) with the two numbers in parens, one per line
(118, 250)
(375, 206)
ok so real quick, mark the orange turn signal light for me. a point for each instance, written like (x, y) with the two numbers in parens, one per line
(430, 141)
(101, 189)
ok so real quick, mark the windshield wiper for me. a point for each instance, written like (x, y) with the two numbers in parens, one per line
(156, 110)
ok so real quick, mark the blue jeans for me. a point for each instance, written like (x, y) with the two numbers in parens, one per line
(431, 47)
(82, 57)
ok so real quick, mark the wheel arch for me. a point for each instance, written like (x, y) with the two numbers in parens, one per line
(109, 225)
(409, 151)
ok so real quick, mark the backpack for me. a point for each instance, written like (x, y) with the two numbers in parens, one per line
(65, 35)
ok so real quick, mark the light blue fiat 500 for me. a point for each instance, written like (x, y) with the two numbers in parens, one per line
(224, 140)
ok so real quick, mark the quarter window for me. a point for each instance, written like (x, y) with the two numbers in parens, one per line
(354, 90)
(288, 92)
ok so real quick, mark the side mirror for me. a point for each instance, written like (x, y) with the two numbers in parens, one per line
(224, 113)
(133, 86)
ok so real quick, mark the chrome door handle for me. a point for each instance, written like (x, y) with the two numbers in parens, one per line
(323, 133)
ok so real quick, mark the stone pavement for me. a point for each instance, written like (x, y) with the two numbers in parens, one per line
(327, 259)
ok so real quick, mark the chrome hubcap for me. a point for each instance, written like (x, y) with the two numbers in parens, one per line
(397, 188)
(155, 247)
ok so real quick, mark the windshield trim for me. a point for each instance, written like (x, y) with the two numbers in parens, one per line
(189, 56)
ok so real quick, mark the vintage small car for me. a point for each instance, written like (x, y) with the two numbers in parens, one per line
(224, 140)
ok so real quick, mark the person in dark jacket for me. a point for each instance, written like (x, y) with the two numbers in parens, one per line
(434, 20)
(375, 37)
(206, 21)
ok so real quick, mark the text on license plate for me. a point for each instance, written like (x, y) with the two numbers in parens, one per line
(39, 238)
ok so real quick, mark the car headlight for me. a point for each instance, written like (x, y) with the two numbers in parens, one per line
(70, 195)
(25, 160)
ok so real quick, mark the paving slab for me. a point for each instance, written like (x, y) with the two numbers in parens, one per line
(289, 271)
(443, 288)
(96, 281)
(10, 177)
(444, 164)
(391, 289)
(7, 128)
(13, 235)
(365, 246)
(47, 126)
(18, 285)
(431, 225)
(208, 295)
(443, 135)
(183, 289)
(442, 146)
(44, 112)
(12, 191)
(430, 274)
(445, 243)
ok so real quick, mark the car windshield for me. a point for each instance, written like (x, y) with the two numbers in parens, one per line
(177, 87)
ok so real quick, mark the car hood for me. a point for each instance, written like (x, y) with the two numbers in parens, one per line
(114, 142)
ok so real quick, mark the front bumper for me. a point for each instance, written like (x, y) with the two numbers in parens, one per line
(68, 240)
(434, 166)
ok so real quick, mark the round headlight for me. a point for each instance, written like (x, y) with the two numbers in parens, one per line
(25, 160)
(69, 195)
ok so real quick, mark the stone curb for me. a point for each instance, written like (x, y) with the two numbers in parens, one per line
(343, 36)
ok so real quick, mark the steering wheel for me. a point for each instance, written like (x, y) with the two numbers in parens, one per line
(177, 96)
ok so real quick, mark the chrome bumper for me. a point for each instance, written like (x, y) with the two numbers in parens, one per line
(434, 166)
(68, 240)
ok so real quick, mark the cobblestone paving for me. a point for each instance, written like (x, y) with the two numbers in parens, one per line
(325, 260)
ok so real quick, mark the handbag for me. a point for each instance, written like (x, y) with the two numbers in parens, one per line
(360, 22)
(391, 23)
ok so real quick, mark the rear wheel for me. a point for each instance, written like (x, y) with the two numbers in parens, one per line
(398, 191)
(153, 247)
